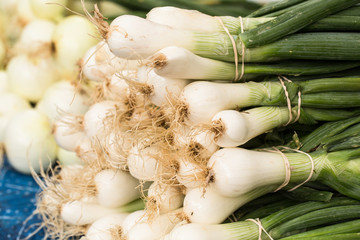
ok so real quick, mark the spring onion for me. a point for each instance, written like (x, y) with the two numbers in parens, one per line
(111, 190)
(30, 77)
(200, 100)
(175, 62)
(37, 147)
(106, 228)
(161, 88)
(297, 214)
(53, 11)
(73, 36)
(81, 212)
(36, 38)
(12, 104)
(164, 198)
(63, 97)
(99, 63)
(68, 132)
(66, 157)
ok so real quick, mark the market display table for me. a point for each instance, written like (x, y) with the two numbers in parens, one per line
(17, 202)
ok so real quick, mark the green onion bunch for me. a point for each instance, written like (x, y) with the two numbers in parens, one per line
(197, 119)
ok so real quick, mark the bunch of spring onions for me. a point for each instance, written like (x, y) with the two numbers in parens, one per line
(40, 51)
(282, 219)
(163, 145)
(44, 39)
(40, 47)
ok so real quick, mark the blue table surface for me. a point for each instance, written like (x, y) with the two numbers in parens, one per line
(17, 202)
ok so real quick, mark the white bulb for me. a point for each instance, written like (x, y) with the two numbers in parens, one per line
(10, 104)
(73, 36)
(30, 77)
(63, 98)
(29, 142)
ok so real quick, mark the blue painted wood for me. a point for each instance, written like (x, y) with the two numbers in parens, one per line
(17, 203)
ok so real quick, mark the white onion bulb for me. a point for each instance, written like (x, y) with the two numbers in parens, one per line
(36, 37)
(66, 157)
(106, 228)
(10, 105)
(116, 188)
(30, 77)
(73, 36)
(51, 10)
(29, 142)
(63, 98)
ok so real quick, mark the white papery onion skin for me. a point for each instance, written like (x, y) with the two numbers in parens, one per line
(95, 66)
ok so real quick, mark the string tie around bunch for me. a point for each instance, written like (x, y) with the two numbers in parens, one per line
(261, 228)
(238, 76)
(288, 167)
(288, 101)
(311, 173)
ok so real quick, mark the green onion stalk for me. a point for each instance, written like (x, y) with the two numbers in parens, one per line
(278, 224)
(201, 100)
(301, 46)
(180, 63)
(200, 22)
(274, 7)
(345, 231)
(336, 167)
(234, 128)
(293, 20)
(329, 135)
(339, 170)
(351, 11)
(237, 175)
(336, 23)
(277, 201)
(127, 37)
(232, 8)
